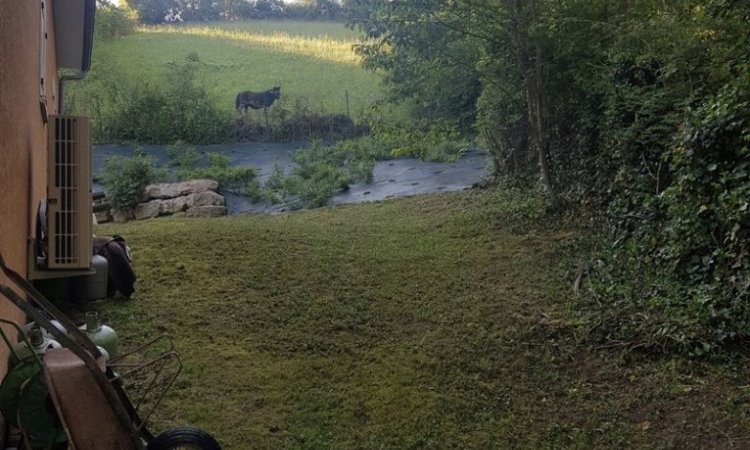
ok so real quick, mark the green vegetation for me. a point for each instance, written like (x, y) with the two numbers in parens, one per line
(168, 83)
(321, 171)
(426, 139)
(342, 37)
(126, 178)
(449, 321)
(170, 108)
(633, 113)
(427, 322)
(239, 179)
(160, 11)
(114, 22)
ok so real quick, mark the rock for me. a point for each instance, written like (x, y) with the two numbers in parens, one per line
(121, 215)
(195, 198)
(206, 211)
(103, 216)
(172, 190)
(148, 210)
(207, 198)
(174, 205)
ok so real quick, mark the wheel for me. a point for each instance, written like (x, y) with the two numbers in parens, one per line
(10, 389)
(37, 417)
(184, 438)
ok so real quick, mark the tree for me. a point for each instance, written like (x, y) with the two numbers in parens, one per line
(112, 21)
(445, 53)
(426, 63)
(637, 108)
(196, 10)
(150, 11)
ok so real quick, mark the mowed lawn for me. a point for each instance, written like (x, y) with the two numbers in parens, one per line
(439, 321)
(313, 62)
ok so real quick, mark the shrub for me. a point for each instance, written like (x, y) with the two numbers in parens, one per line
(125, 179)
(686, 258)
(708, 214)
(238, 179)
(276, 188)
(154, 111)
(503, 127)
(183, 159)
(295, 122)
(428, 140)
(112, 21)
(321, 172)
(188, 113)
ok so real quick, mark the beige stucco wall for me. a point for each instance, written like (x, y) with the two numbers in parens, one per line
(23, 133)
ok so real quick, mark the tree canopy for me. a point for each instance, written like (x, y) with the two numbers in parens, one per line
(160, 11)
(636, 111)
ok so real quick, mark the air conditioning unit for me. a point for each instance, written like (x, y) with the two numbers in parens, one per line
(69, 207)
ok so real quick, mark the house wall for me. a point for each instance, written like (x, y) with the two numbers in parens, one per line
(23, 133)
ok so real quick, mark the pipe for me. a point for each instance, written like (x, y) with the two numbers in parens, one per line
(60, 96)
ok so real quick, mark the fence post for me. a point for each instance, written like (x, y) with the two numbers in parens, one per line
(346, 94)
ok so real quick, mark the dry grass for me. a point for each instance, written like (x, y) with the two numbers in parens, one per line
(323, 46)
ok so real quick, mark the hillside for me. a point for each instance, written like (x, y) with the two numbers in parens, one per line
(188, 76)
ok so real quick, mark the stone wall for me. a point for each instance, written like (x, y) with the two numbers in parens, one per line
(194, 198)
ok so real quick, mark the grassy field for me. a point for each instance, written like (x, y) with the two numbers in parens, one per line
(313, 62)
(426, 322)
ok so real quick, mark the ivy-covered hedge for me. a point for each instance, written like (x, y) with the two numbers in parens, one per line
(633, 112)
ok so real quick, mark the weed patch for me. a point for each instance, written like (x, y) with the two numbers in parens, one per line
(299, 122)
(126, 178)
(184, 161)
(321, 172)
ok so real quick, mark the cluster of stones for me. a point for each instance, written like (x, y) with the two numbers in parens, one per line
(194, 198)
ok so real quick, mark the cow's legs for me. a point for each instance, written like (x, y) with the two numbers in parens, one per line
(268, 130)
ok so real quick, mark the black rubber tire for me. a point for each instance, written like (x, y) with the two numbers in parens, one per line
(184, 438)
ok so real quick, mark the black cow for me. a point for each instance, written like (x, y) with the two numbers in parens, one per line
(257, 100)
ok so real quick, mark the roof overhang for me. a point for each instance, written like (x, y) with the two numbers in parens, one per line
(74, 33)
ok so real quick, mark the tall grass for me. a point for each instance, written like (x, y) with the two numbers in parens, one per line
(292, 27)
(323, 46)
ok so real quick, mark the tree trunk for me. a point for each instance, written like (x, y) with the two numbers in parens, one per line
(531, 65)
(539, 132)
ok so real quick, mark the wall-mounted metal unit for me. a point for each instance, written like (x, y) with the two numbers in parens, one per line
(69, 208)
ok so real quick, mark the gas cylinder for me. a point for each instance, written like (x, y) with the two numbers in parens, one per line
(46, 333)
(104, 353)
(94, 286)
(101, 335)
(39, 341)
